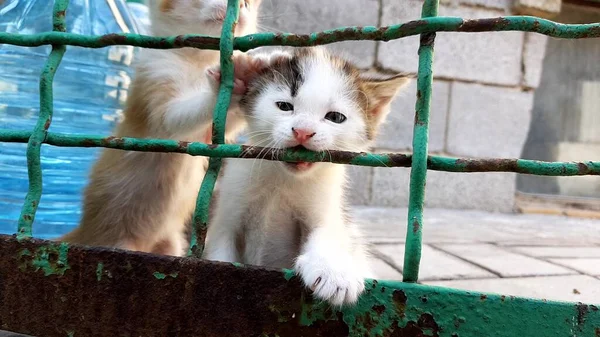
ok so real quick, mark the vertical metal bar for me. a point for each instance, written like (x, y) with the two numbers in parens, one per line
(418, 172)
(34, 167)
(220, 116)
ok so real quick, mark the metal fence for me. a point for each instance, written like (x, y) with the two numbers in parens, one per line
(56, 289)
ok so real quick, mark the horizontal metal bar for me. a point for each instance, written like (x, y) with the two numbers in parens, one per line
(244, 43)
(437, 163)
(55, 290)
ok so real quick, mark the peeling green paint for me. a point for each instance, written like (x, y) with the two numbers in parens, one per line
(162, 276)
(288, 274)
(51, 259)
(99, 271)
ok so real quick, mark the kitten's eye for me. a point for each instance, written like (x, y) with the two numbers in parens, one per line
(335, 117)
(285, 106)
(247, 3)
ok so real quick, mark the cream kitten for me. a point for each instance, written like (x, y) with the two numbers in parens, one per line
(292, 214)
(142, 201)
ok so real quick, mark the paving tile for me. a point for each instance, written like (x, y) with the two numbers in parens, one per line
(575, 288)
(504, 262)
(559, 252)
(588, 266)
(435, 264)
(384, 271)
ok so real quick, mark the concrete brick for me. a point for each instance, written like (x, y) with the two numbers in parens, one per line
(556, 288)
(435, 264)
(484, 57)
(586, 266)
(542, 8)
(504, 262)
(533, 58)
(310, 16)
(559, 252)
(390, 187)
(483, 191)
(486, 121)
(359, 184)
(396, 133)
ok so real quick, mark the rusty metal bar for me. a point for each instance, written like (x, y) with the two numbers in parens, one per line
(55, 290)
(34, 167)
(437, 163)
(418, 171)
(245, 43)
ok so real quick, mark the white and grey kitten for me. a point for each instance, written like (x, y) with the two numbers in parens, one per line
(292, 214)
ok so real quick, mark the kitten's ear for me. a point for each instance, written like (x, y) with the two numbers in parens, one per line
(380, 93)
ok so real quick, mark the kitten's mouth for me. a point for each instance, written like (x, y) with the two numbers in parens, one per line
(301, 166)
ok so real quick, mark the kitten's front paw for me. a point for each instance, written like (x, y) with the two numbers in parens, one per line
(335, 279)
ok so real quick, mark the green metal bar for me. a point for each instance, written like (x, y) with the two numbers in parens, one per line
(218, 137)
(245, 43)
(418, 171)
(437, 163)
(34, 166)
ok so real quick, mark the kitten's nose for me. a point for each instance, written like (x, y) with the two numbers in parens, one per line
(302, 135)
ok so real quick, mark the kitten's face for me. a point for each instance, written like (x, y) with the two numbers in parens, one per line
(316, 101)
(204, 17)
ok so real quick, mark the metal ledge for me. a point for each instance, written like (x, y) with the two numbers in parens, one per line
(53, 289)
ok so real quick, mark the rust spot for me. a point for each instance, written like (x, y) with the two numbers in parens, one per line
(379, 309)
(594, 308)
(400, 160)
(47, 124)
(427, 39)
(489, 165)
(112, 39)
(423, 299)
(583, 168)
(416, 226)
(201, 42)
(61, 14)
(483, 297)
(183, 145)
(88, 143)
(425, 326)
(412, 26)
(483, 25)
(426, 321)
(597, 332)
(399, 298)
(27, 217)
(582, 310)
(382, 289)
(502, 298)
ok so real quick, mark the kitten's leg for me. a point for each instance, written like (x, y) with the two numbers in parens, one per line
(222, 233)
(173, 245)
(332, 265)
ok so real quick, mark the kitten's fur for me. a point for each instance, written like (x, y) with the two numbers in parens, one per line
(141, 201)
(292, 214)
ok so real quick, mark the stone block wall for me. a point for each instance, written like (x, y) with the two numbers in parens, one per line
(482, 94)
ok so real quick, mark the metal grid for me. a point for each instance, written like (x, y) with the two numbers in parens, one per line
(585, 317)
